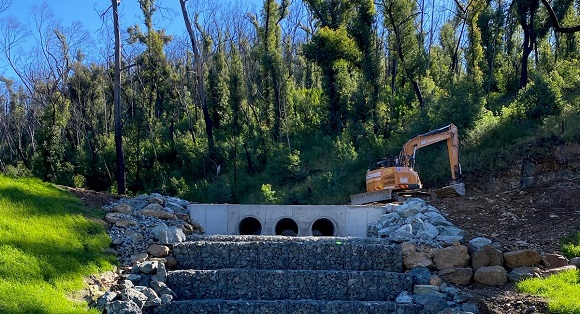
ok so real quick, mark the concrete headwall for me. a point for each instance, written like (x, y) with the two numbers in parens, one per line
(300, 220)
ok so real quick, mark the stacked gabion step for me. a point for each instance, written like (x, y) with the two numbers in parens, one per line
(257, 274)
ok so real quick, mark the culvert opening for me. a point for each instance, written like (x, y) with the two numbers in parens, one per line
(287, 227)
(323, 227)
(250, 226)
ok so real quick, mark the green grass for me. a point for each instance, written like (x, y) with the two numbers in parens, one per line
(47, 245)
(571, 245)
(562, 291)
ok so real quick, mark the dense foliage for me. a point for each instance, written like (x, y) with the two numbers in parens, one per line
(298, 98)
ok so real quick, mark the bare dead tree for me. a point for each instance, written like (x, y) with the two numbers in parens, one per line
(200, 82)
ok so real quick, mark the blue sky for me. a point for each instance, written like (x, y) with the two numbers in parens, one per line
(87, 12)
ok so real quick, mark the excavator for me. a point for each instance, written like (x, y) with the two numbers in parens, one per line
(394, 179)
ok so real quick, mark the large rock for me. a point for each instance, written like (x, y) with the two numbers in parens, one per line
(152, 298)
(389, 219)
(427, 231)
(453, 256)
(553, 271)
(432, 303)
(130, 294)
(410, 208)
(555, 260)
(156, 210)
(177, 208)
(161, 274)
(157, 250)
(404, 233)
(575, 261)
(168, 235)
(148, 267)
(139, 257)
(436, 219)
(421, 275)
(123, 208)
(486, 256)
(521, 258)
(458, 276)
(525, 272)
(491, 275)
(477, 244)
(114, 217)
(412, 258)
(161, 288)
(156, 198)
(123, 307)
(107, 297)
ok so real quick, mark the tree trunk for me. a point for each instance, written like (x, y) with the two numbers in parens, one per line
(117, 99)
(200, 85)
(528, 46)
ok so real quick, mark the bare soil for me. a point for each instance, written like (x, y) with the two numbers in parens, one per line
(536, 217)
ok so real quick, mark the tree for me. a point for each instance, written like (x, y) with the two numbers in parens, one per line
(335, 50)
(535, 28)
(399, 20)
(120, 174)
(199, 67)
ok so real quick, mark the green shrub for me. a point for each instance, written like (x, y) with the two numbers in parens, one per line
(571, 245)
(268, 195)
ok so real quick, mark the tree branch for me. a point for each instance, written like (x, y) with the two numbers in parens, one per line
(557, 27)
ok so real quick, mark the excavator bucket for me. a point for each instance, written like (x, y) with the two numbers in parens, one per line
(453, 190)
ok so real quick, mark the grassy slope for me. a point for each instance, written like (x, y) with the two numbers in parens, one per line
(46, 247)
(562, 291)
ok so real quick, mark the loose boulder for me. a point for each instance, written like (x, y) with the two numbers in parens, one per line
(156, 210)
(491, 275)
(459, 276)
(486, 256)
(555, 260)
(453, 256)
(158, 250)
(521, 258)
(522, 273)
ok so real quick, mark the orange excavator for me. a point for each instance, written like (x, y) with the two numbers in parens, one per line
(395, 178)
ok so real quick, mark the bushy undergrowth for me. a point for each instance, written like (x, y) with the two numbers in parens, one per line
(571, 245)
(47, 245)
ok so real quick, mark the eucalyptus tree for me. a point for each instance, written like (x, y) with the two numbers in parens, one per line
(399, 19)
(200, 86)
(334, 49)
(44, 70)
(152, 76)
(535, 26)
(120, 156)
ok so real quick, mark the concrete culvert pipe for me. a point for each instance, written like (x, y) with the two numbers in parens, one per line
(250, 226)
(323, 227)
(287, 227)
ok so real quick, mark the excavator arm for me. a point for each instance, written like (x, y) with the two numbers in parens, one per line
(448, 133)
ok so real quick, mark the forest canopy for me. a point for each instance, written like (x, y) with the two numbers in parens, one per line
(288, 104)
